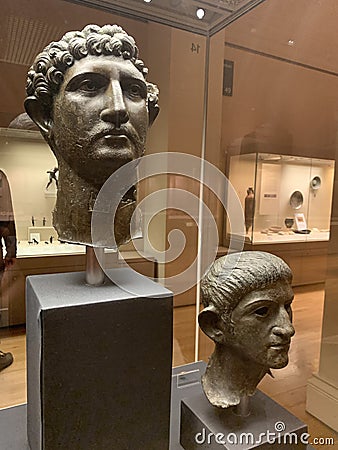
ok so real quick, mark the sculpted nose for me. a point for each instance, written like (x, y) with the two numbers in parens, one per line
(115, 110)
(283, 327)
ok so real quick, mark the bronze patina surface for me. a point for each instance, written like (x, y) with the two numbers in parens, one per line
(247, 313)
(88, 95)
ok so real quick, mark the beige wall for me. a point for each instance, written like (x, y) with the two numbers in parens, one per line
(298, 106)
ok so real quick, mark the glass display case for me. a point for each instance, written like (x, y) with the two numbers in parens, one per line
(245, 88)
(285, 198)
(26, 160)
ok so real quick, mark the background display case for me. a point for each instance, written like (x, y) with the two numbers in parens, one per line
(291, 196)
(25, 159)
(289, 212)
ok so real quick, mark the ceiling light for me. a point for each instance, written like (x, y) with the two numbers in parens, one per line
(291, 42)
(200, 13)
(147, 1)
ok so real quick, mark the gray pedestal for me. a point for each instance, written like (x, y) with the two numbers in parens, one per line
(268, 427)
(185, 384)
(99, 363)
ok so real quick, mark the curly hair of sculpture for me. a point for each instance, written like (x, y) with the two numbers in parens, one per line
(247, 312)
(89, 97)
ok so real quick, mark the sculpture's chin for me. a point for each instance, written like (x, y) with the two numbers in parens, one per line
(279, 362)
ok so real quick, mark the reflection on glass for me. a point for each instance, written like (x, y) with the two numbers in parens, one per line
(7, 250)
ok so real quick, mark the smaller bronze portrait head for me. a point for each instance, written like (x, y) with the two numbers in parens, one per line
(247, 313)
(89, 97)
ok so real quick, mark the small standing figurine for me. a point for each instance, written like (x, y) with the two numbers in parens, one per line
(33, 221)
(44, 221)
(249, 208)
(52, 176)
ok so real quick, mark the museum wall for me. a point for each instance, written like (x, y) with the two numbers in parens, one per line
(285, 79)
(279, 108)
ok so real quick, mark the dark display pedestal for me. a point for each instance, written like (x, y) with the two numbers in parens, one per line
(185, 385)
(98, 363)
(269, 426)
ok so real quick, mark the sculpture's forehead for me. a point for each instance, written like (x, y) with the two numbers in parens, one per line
(280, 292)
(111, 66)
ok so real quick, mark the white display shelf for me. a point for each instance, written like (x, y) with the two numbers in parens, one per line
(56, 248)
(285, 238)
(289, 237)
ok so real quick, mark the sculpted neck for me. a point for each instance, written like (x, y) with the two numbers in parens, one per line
(73, 211)
(229, 377)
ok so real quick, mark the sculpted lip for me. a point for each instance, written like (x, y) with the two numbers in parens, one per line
(111, 134)
(108, 137)
(281, 346)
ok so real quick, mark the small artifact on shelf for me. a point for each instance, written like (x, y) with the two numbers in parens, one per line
(275, 229)
(52, 177)
(289, 221)
(44, 222)
(249, 208)
(33, 221)
(296, 200)
(247, 313)
(305, 231)
(315, 183)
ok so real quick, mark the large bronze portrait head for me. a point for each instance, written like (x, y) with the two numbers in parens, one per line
(89, 97)
(247, 313)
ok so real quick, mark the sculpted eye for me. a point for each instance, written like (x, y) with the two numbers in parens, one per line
(288, 308)
(135, 91)
(262, 312)
(89, 84)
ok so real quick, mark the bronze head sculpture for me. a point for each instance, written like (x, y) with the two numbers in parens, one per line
(88, 95)
(247, 313)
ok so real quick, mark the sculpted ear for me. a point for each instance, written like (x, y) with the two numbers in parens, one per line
(38, 114)
(152, 101)
(211, 324)
(153, 113)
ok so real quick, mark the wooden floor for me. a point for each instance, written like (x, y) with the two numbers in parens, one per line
(288, 387)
